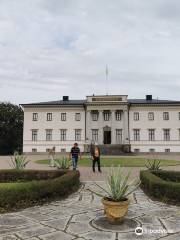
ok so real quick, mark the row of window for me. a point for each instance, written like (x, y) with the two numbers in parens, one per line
(151, 134)
(34, 150)
(151, 116)
(136, 150)
(106, 115)
(152, 150)
(49, 117)
(63, 133)
(94, 115)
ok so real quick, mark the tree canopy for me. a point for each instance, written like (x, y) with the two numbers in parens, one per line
(11, 128)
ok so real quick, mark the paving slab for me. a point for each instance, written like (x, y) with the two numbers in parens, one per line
(79, 218)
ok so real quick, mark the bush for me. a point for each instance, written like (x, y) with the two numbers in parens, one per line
(53, 184)
(169, 175)
(18, 161)
(153, 164)
(164, 185)
(62, 163)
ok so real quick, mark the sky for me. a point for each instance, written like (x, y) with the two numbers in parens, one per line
(51, 48)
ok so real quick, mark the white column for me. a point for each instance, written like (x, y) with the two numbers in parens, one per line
(125, 129)
(100, 132)
(113, 131)
(88, 127)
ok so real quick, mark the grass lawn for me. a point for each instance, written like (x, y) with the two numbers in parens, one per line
(126, 162)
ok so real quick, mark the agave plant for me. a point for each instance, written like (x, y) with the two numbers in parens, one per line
(18, 161)
(153, 164)
(62, 163)
(118, 186)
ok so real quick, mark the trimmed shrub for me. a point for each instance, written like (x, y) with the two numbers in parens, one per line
(159, 185)
(14, 175)
(55, 184)
(173, 176)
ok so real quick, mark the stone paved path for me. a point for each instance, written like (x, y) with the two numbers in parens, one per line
(75, 218)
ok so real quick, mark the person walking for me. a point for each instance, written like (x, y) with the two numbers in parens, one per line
(96, 158)
(74, 155)
(51, 156)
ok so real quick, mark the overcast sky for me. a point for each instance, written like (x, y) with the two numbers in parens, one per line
(51, 48)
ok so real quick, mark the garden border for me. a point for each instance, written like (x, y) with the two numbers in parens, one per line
(156, 186)
(15, 195)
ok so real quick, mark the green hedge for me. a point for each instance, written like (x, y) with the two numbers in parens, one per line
(173, 176)
(14, 175)
(15, 195)
(158, 184)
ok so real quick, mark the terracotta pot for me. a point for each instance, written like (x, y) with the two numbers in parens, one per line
(115, 211)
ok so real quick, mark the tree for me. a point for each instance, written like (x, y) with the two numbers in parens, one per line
(11, 128)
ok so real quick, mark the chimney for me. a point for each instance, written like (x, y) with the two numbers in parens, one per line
(65, 98)
(148, 97)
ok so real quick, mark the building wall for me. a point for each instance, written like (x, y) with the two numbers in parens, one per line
(144, 145)
(127, 123)
(56, 124)
(112, 123)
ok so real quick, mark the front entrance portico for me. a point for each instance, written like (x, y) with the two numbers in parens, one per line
(107, 135)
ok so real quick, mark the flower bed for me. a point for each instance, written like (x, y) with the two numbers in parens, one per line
(23, 188)
(164, 185)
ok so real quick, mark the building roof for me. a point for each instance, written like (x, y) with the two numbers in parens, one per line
(153, 101)
(56, 103)
(82, 102)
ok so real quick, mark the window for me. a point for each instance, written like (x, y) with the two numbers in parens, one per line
(35, 116)
(151, 150)
(107, 115)
(118, 115)
(48, 134)
(118, 135)
(95, 115)
(136, 116)
(77, 117)
(63, 134)
(95, 135)
(49, 116)
(179, 134)
(136, 134)
(151, 134)
(77, 134)
(151, 116)
(136, 150)
(63, 150)
(63, 116)
(167, 150)
(34, 150)
(166, 134)
(165, 116)
(34, 134)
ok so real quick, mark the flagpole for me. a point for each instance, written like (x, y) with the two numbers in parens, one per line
(106, 79)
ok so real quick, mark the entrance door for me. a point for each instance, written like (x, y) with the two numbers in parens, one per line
(107, 137)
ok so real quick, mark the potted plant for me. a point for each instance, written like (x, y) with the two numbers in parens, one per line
(115, 194)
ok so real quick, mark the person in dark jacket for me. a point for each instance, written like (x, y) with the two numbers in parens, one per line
(96, 158)
(74, 155)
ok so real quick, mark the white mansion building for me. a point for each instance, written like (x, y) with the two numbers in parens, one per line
(112, 121)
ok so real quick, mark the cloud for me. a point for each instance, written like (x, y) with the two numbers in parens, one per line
(59, 47)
